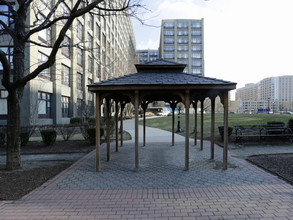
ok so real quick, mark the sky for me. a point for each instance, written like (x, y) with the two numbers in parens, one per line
(245, 41)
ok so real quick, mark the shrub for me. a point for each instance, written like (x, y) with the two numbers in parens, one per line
(76, 120)
(91, 132)
(49, 136)
(24, 138)
(221, 131)
(67, 131)
(2, 139)
(290, 124)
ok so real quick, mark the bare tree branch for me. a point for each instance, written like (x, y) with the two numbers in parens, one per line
(6, 70)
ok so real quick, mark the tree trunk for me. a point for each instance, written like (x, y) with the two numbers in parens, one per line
(13, 161)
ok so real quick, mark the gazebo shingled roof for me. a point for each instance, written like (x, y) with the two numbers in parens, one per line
(155, 81)
(160, 72)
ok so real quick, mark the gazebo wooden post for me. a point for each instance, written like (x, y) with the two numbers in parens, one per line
(225, 149)
(136, 100)
(116, 123)
(212, 126)
(144, 106)
(201, 122)
(108, 128)
(122, 105)
(194, 104)
(98, 141)
(187, 105)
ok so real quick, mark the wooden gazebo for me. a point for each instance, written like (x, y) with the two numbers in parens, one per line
(160, 80)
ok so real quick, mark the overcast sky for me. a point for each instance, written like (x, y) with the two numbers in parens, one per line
(245, 40)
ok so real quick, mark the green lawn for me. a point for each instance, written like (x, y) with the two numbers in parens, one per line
(165, 123)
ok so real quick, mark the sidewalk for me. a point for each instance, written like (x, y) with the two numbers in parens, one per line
(160, 190)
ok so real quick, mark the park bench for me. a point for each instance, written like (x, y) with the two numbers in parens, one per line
(277, 129)
(271, 129)
(247, 131)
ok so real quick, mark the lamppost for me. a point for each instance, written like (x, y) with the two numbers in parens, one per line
(178, 125)
(268, 105)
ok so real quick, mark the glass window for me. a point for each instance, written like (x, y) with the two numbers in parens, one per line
(44, 105)
(5, 15)
(79, 81)
(65, 78)
(196, 24)
(182, 24)
(168, 48)
(169, 56)
(196, 63)
(169, 24)
(9, 55)
(182, 48)
(90, 64)
(182, 55)
(66, 47)
(90, 42)
(196, 71)
(79, 30)
(169, 33)
(196, 40)
(79, 56)
(196, 55)
(42, 58)
(182, 33)
(3, 104)
(195, 33)
(90, 22)
(65, 11)
(65, 106)
(196, 48)
(44, 35)
(98, 29)
(183, 40)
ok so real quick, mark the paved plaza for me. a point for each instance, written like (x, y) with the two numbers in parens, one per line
(161, 189)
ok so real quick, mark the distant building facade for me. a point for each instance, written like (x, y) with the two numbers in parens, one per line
(182, 41)
(273, 93)
(143, 56)
(105, 49)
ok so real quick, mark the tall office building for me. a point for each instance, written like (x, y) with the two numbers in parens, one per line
(143, 56)
(95, 48)
(182, 41)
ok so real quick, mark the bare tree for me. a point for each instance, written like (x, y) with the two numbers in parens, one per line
(19, 32)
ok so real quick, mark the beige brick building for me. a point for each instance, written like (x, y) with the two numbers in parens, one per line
(95, 48)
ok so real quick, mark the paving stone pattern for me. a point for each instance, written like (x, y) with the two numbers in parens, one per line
(160, 190)
(161, 167)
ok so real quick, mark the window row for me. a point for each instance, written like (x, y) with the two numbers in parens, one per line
(183, 24)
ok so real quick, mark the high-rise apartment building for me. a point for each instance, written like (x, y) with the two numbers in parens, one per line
(248, 92)
(95, 48)
(273, 93)
(143, 56)
(182, 41)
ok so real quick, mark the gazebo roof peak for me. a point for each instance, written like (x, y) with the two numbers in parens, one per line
(160, 65)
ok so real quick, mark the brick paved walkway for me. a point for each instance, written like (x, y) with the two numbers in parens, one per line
(160, 190)
(204, 192)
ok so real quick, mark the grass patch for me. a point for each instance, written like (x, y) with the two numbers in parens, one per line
(165, 123)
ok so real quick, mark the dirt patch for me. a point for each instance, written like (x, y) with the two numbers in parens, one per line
(277, 164)
(15, 184)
